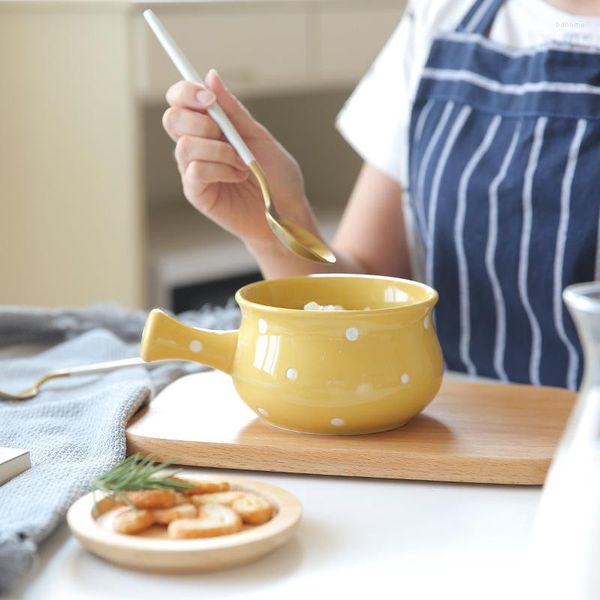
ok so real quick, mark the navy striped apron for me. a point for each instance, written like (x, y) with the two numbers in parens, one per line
(505, 189)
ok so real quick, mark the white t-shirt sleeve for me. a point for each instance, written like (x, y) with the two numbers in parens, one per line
(376, 118)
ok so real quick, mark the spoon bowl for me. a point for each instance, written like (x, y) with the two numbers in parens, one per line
(295, 237)
(300, 240)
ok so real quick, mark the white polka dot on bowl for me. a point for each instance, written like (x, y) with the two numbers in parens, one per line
(291, 374)
(196, 346)
(426, 322)
(405, 378)
(337, 422)
(351, 334)
(262, 326)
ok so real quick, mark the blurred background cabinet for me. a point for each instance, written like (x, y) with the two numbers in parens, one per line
(92, 208)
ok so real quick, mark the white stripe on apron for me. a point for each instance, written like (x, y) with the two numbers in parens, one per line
(433, 142)
(561, 240)
(510, 88)
(459, 223)
(490, 251)
(421, 122)
(536, 333)
(463, 115)
(461, 36)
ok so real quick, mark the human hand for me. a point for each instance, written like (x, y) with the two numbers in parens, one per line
(215, 179)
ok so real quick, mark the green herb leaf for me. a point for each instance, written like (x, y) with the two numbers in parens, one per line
(138, 472)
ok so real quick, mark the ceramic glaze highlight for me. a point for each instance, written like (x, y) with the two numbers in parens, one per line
(366, 369)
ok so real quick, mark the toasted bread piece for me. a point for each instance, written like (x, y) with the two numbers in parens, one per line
(164, 516)
(106, 504)
(253, 509)
(181, 498)
(225, 498)
(133, 521)
(213, 520)
(152, 498)
(206, 486)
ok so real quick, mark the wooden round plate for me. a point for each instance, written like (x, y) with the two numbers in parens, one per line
(151, 550)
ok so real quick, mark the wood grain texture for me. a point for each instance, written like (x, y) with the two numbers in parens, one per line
(471, 432)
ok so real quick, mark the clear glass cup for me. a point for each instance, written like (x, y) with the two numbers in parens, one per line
(565, 546)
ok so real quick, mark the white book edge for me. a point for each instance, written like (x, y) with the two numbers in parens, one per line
(13, 461)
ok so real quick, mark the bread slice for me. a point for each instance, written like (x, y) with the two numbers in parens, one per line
(213, 520)
(164, 516)
(225, 498)
(152, 498)
(253, 509)
(206, 486)
(133, 521)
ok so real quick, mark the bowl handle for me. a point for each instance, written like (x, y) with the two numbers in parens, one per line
(166, 338)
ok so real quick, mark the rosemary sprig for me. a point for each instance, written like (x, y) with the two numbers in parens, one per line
(138, 472)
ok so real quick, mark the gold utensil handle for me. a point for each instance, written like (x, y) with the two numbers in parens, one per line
(90, 369)
(103, 366)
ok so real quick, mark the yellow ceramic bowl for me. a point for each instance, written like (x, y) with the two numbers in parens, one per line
(369, 368)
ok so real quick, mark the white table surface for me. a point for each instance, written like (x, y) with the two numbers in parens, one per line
(357, 537)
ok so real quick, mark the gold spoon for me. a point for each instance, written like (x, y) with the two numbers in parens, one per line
(292, 235)
(33, 390)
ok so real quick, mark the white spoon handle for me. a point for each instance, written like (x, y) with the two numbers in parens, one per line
(190, 74)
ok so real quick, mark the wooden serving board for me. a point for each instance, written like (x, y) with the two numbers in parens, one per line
(471, 432)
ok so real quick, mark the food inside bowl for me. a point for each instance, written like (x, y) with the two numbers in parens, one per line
(327, 307)
(324, 307)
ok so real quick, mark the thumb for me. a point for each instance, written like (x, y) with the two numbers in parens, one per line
(234, 109)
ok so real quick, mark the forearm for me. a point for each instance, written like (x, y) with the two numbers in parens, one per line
(373, 228)
(371, 237)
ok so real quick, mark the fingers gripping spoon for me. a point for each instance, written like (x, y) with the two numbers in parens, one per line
(290, 234)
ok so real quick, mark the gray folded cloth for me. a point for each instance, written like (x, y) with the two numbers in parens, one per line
(75, 427)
